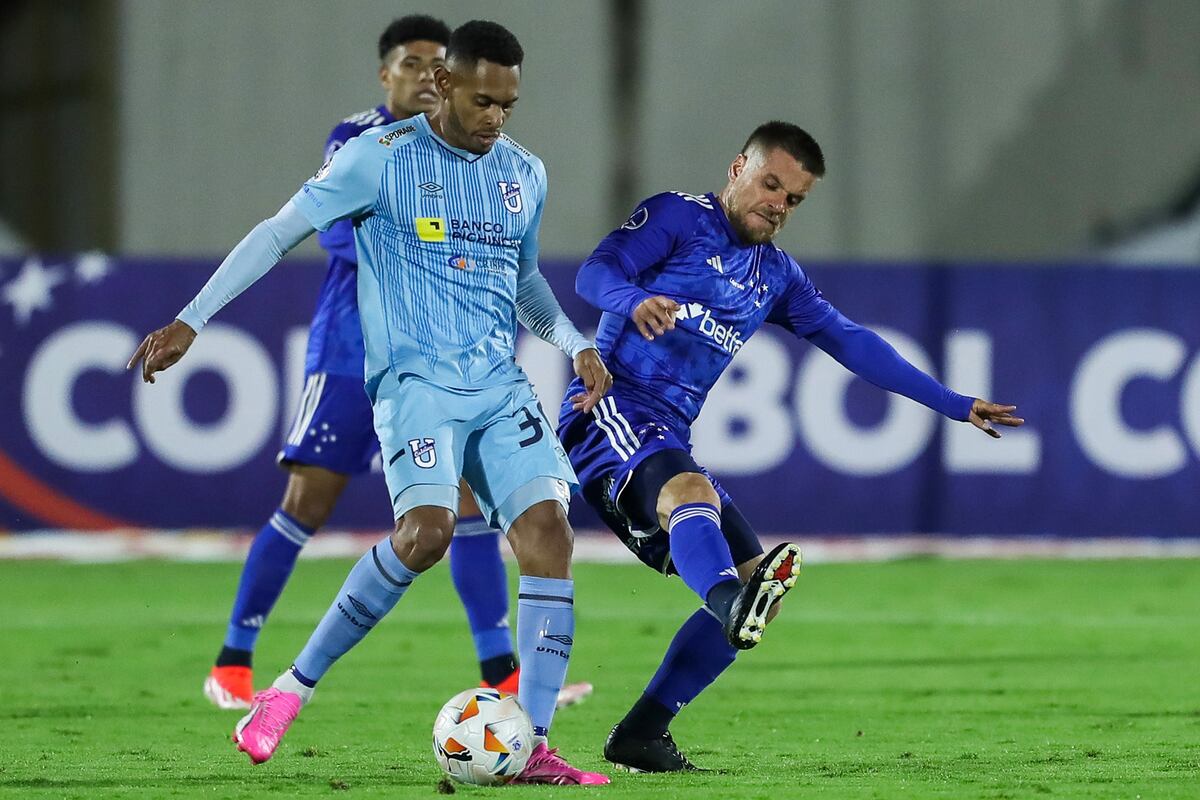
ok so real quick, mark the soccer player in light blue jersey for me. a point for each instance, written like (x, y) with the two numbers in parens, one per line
(333, 435)
(446, 211)
(683, 284)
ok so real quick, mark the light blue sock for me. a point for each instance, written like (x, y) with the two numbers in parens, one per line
(545, 633)
(371, 590)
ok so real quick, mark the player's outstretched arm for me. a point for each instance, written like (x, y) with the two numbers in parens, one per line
(253, 257)
(866, 354)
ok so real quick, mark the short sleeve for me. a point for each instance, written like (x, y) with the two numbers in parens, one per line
(346, 185)
(801, 308)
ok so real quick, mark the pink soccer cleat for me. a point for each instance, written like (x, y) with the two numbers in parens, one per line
(271, 714)
(547, 766)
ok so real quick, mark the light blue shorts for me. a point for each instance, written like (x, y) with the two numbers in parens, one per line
(497, 438)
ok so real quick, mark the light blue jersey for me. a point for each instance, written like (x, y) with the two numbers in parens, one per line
(441, 234)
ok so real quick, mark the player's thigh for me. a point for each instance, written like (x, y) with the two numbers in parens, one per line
(541, 539)
(652, 547)
(515, 461)
(421, 436)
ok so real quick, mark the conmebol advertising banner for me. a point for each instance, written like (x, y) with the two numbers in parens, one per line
(1103, 363)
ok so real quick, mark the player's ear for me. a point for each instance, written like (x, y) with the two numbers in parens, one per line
(441, 79)
(737, 166)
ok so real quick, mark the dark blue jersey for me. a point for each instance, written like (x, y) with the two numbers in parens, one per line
(683, 247)
(335, 340)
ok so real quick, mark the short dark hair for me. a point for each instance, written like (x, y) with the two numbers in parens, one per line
(793, 140)
(480, 39)
(410, 29)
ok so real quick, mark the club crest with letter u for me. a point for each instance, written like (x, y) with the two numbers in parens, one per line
(510, 193)
(423, 453)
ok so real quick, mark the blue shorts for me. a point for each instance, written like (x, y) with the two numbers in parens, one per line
(497, 438)
(333, 428)
(624, 454)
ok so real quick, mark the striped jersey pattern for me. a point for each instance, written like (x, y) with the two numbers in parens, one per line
(440, 233)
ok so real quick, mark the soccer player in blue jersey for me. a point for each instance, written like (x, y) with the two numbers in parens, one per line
(333, 438)
(683, 284)
(446, 211)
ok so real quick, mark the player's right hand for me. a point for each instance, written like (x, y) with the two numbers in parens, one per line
(161, 349)
(655, 316)
(597, 380)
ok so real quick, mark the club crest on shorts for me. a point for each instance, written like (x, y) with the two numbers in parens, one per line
(510, 193)
(423, 453)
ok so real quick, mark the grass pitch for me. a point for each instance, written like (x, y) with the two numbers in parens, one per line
(907, 679)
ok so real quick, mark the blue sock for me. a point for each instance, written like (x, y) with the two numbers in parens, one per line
(268, 566)
(372, 589)
(696, 656)
(482, 583)
(545, 633)
(698, 548)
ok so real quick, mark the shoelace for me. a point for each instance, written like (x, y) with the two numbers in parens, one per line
(673, 749)
(272, 722)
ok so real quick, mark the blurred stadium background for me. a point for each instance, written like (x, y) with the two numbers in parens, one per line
(1013, 199)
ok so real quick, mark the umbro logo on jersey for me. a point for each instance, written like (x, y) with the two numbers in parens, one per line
(510, 193)
(726, 336)
(430, 189)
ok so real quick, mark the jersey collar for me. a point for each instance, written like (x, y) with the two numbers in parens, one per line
(466, 155)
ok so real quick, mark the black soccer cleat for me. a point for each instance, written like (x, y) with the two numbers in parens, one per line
(771, 580)
(645, 755)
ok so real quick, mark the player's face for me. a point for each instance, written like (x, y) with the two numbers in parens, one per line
(407, 76)
(479, 98)
(764, 188)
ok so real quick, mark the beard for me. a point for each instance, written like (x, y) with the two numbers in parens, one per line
(747, 234)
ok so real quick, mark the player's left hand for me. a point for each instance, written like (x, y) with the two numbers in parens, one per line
(162, 348)
(984, 414)
(596, 379)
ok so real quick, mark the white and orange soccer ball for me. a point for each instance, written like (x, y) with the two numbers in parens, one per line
(482, 737)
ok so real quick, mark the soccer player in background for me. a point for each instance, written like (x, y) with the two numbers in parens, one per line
(446, 212)
(683, 284)
(333, 437)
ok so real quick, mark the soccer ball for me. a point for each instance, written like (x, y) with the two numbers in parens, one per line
(482, 737)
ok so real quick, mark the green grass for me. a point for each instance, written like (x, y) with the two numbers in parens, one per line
(909, 679)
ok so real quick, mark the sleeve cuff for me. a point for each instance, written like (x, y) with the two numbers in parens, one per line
(191, 318)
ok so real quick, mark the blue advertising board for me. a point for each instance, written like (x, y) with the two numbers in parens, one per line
(1103, 362)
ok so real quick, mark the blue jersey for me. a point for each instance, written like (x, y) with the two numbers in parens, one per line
(335, 343)
(440, 234)
(683, 247)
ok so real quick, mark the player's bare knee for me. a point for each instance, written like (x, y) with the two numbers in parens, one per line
(542, 540)
(422, 537)
(311, 494)
(684, 488)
